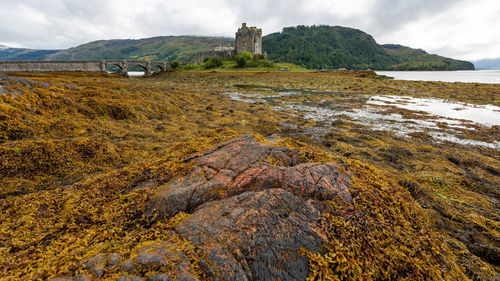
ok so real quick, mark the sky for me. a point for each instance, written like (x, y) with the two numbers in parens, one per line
(461, 29)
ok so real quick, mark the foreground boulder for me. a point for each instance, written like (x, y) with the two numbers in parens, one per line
(256, 235)
(243, 164)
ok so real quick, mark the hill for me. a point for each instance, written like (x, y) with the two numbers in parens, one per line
(163, 48)
(488, 64)
(326, 47)
(341, 47)
(7, 53)
(418, 59)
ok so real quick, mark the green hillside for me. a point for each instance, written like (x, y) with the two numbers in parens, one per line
(326, 47)
(341, 47)
(164, 48)
(418, 59)
(7, 53)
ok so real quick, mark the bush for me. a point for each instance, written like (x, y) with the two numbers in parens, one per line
(246, 56)
(175, 64)
(213, 62)
(189, 66)
(260, 57)
(241, 62)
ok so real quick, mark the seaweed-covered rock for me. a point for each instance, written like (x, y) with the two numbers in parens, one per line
(159, 277)
(254, 215)
(80, 277)
(96, 265)
(256, 235)
(153, 257)
(130, 278)
(243, 164)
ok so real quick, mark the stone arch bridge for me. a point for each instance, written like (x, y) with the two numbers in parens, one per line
(80, 66)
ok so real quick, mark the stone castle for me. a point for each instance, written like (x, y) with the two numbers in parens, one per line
(248, 39)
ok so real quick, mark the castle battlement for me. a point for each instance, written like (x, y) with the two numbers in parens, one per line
(248, 39)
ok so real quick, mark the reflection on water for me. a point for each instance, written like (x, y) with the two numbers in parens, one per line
(472, 76)
(440, 119)
(136, 73)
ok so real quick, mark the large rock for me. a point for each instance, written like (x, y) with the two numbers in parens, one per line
(254, 210)
(243, 164)
(256, 235)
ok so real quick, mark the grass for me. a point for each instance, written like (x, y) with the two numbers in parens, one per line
(231, 66)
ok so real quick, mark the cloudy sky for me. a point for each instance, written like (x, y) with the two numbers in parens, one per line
(462, 29)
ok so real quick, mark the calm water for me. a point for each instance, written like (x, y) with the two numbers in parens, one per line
(482, 114)
(474, 76)
(443, 120)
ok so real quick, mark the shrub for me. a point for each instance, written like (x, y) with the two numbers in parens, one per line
(241, 62)
(246, 55)
(175, 64)
(260, 57)
(213, 62)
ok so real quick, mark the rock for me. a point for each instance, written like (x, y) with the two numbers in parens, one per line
(96, 265)
(243, 164)
(62, 279)
(114, 259)
(83, 277)
(256, 235)
(254, 209)
(159, 277)
(80, 277)
(129, 278)
(153, 257)
(184, 272)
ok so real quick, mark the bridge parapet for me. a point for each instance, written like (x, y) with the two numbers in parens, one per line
(79, 66)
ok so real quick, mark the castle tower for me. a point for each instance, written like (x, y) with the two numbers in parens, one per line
(248, 39)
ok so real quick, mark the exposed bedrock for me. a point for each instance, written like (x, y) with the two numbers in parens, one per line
(256, 235)
(243, 164)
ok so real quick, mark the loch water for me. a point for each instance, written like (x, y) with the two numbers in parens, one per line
(467, 76)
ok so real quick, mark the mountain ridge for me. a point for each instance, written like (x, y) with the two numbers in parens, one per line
(323, 46)
(488, 64)
(316, 47)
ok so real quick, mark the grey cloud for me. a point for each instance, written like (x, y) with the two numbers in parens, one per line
(66, 23)
(389, 15)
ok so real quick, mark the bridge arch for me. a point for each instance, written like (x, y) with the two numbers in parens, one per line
(160, 66)
(132, 66)
(112, 67)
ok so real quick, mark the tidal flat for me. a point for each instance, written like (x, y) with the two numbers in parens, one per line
(81, 153)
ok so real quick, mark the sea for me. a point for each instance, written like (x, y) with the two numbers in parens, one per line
(467, 76)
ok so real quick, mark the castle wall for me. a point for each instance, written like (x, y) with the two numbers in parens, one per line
(224, 54)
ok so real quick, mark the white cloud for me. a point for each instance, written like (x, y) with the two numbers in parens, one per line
(464, 29)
